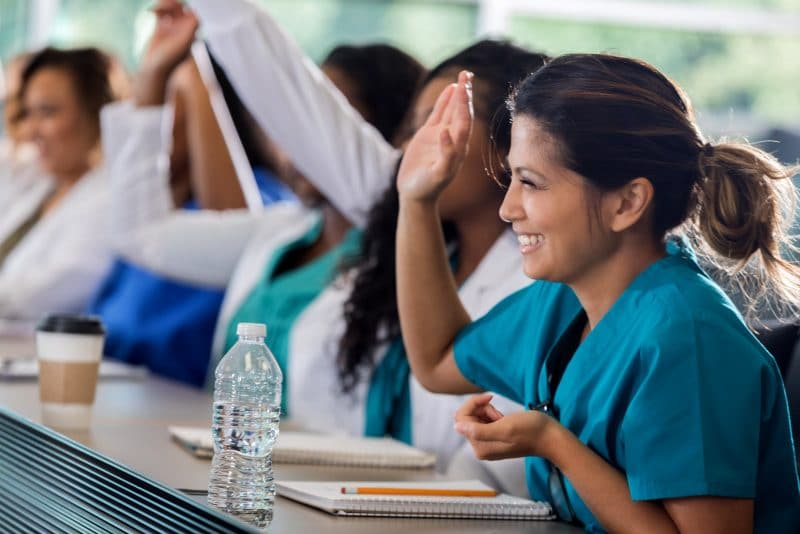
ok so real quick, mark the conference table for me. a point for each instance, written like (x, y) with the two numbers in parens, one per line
(130, 421)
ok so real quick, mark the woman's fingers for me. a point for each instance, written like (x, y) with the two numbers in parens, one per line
(478, 409)
(459, 99)
(456, 124)
(442, 103)
(436, 152)
(469, 406)
(493, 413)
(167, 9)
(481, 431)
(463, 114)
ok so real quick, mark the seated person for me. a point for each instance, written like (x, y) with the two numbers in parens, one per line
(156, 321)
(21, 178)
(55, 247)
(285, 255)
(652, 407)
(361, 364)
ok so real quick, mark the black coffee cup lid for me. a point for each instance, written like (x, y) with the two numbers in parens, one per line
(71, 324)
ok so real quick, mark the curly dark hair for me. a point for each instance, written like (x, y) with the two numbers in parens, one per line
(370, 312)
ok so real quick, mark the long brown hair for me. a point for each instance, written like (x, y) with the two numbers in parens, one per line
(615, 119)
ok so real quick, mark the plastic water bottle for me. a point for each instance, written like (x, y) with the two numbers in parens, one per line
(244, 426)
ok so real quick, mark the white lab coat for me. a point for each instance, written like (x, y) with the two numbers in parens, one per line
(59, 263)
(352, 165)
(220, 249)
(23, 186)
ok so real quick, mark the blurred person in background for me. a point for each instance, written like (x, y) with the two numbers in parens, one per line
(351, 375)
(162, 322)
(20, 175)
(278, 266)
(55, 248)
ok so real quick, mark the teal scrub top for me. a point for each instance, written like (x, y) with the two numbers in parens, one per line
(388, 404)
(278, 301)
(670, 387)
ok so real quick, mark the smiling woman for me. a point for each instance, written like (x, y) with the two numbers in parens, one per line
(62, 94)
(53, 245)
(653, 407)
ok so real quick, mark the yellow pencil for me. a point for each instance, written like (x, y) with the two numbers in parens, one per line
(372, 490)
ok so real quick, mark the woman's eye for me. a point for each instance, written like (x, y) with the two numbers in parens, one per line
(528, 184)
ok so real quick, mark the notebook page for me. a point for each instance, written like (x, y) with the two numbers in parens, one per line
(327, 496)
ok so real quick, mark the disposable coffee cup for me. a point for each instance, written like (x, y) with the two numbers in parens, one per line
(69, 350)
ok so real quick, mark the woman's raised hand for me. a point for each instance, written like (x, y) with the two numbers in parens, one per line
(170, 44)
(436, 152)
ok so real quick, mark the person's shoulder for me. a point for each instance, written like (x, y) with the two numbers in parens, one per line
(689, 318)
(676, 290)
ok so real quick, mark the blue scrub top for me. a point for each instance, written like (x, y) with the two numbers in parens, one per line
(153, 321)
(670, 387)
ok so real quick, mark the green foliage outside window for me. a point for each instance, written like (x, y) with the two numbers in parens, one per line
(723, 73)
(756, 77)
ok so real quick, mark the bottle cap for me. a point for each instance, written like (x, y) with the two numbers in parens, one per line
(251, 329)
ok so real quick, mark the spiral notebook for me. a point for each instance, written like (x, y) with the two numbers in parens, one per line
(320, 449)
(328, 496)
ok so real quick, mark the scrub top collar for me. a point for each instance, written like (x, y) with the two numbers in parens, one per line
(678, 251)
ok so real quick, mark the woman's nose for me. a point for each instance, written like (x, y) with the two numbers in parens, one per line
(511, 208)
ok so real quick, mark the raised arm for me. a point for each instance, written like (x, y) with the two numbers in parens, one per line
(211, 173)
(197, 247)
(431, 313)
(298, 107)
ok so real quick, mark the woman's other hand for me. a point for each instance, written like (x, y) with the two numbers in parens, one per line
(495, 436)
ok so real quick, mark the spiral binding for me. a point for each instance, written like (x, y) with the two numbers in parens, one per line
(501, 507)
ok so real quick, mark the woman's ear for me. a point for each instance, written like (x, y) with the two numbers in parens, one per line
(628, 204)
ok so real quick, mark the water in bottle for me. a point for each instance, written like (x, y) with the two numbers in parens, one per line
(247, 400)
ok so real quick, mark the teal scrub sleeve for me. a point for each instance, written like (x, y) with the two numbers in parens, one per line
(486, 351)
(692, 426)
(503, 350)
